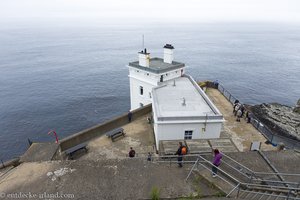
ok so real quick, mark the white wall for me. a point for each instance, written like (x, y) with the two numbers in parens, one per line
(135, 97)
(147, 80)
(176, 131)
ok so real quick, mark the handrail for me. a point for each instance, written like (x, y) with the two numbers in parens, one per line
(254, 172)
(216, 174)
(281, 182)
(270, 173)
(250, 170)
(235, 169)
(248, 184)
(239, 183)
(273, 195)
(238, 162)
(210, 163)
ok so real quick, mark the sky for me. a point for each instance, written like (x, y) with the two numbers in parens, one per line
(151, 10)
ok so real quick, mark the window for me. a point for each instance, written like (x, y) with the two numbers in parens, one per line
(150, 96)
(161, 78)
(141, 90)
(188, 135)
(141, 105)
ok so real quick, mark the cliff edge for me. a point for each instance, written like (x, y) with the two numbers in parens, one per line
(281, 119)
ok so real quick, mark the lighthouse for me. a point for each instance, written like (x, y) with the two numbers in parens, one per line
(147, 73)
(180, 108)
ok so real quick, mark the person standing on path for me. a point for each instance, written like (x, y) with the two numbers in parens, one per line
(131, 153)
(239, 115)
(179, 153)
(216, 162)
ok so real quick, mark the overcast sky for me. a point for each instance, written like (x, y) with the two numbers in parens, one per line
(151, 10)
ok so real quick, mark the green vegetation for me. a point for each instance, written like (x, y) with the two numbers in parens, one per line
(155, 193)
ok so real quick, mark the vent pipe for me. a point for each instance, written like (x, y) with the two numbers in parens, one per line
(183, 102)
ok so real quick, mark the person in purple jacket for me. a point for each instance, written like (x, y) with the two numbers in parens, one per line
(216, 162)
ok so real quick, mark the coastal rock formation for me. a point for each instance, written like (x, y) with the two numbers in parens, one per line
(297, 107)
(281, 119)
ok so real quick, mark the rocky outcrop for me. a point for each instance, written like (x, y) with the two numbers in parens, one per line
(297, 107)
(281, 119)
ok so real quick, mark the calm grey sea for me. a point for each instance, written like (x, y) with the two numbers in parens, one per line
(71, 77)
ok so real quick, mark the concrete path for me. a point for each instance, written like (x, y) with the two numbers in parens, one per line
(139, 135)
(105, 179)
(241, 133)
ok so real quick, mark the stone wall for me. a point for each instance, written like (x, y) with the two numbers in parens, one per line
(101, 129)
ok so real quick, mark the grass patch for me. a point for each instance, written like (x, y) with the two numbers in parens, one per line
(155, 193)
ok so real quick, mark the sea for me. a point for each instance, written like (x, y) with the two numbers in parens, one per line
(68, 77)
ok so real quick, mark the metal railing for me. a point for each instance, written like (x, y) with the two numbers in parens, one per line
(273, 138)
(258, 177)
(250, 175)
(239, 186)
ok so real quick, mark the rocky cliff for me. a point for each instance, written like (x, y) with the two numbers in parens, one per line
(281, 119)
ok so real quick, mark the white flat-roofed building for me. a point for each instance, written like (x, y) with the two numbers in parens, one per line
(182, 111)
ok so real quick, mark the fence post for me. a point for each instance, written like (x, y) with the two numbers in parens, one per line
(238, 192)
(251, 177)
(272, 138)
(288, 195)
(257, 127)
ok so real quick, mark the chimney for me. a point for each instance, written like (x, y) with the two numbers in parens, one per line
(168, 53)
(144, 58)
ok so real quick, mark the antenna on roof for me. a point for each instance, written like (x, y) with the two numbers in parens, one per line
(143, 41)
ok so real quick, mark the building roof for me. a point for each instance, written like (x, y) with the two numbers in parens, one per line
(168, 101)
(158, 66)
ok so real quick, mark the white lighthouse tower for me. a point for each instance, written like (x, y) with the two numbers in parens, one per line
(180, 108)
(147, 73)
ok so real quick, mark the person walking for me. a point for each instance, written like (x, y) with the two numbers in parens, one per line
(234, 105)
(131, 153)
(237, 107)
(179, 153)
(216, 162)
(239, 115)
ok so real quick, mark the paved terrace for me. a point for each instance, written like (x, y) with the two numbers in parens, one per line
(241, 133)
(139, 135)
